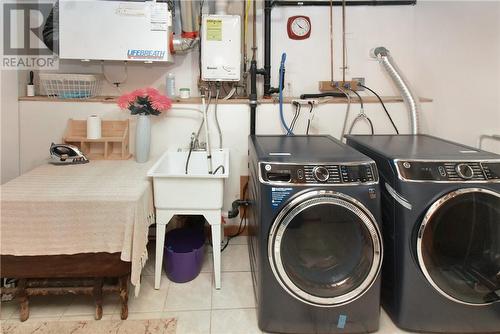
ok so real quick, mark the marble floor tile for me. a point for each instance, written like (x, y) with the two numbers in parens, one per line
(49, 306)
(149, 299)
(235, 258)
(193, 295)
(8, 308)
(239, 240)
(235, 321)
(236, 291)
(85, 305)
(191, 322)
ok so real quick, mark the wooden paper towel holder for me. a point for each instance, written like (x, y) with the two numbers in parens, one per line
(113, 144)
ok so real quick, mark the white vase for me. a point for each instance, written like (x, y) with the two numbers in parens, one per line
(142, 138)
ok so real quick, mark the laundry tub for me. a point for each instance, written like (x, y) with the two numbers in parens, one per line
(184, 253)
(193, 193)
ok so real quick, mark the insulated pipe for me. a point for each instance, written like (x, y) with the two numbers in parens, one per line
(221, 7)
(411, 100)
(190, 13)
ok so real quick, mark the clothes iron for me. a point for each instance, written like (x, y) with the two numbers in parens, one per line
(65, 154)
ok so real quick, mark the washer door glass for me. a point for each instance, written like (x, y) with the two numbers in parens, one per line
(459, 246)
(325, 250)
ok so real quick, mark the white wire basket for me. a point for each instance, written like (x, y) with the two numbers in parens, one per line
(71, 86)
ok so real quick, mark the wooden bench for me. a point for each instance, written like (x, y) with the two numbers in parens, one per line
(79, 274)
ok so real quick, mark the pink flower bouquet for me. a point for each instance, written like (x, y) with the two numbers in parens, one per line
(148, 101)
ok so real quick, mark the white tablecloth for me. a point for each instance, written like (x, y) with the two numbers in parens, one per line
(102, 206)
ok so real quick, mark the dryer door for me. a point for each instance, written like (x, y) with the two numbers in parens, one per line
(458, 246)
(325, 248)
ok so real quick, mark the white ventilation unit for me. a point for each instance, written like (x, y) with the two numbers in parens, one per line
(115, 30)
(221, 48)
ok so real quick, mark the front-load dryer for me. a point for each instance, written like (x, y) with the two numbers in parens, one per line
(315, 245)
(441, 216)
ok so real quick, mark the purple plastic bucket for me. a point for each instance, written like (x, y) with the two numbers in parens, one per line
(184, 253)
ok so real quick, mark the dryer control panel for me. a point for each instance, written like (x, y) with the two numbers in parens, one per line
(321, 174)
(449, 171)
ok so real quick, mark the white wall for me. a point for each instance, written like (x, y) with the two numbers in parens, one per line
(9, 151)
(431, 42)
(458, 65)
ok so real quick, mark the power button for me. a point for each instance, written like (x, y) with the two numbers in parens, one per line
(442, 171)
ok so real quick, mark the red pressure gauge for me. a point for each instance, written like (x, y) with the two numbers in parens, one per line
(299, 27)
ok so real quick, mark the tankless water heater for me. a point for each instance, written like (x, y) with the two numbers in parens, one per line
(221, 48)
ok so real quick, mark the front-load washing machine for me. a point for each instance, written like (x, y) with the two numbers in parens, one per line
(441, 216)
(315, 244)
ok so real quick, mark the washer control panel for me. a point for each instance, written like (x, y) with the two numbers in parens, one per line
(318, 174)
(449, 171)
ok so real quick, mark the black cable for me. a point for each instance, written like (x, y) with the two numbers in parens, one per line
(317, 96)
(383, 106)
(189, 156)
(309, 120)
(217, 169)
(243, 221)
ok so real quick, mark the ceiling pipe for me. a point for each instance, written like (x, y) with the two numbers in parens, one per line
(411, 100)
(221, 7)
(190, 25)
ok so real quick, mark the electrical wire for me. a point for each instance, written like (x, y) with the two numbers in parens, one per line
(281, 79)
(383, 106)
(310, 117)
(217, 124)
(116, 83)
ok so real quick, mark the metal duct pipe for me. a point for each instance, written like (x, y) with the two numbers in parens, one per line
(190, 14)
(190, 25)
(411, 100)
(181, 45)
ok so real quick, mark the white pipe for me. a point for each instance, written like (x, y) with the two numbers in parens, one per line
(411, 100)
(221, 7)
(207, 135)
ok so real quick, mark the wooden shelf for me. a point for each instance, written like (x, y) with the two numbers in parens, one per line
(197, 100)
(113, 145)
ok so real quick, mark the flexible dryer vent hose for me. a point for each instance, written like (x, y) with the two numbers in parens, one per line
(411, 100)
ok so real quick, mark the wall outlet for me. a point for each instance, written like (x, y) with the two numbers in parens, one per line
(360, 80)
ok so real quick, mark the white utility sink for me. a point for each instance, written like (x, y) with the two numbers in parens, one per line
(174, 189)
(194, 193)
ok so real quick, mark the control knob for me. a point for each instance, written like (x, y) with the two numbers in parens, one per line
(465, 171)
(321, 173)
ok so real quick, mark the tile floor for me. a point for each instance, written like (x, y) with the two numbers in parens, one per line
(198, 307)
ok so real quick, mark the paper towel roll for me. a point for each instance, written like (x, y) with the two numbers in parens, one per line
(93, 127)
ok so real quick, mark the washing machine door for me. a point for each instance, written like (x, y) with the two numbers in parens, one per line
(458, 246)
(325, 248)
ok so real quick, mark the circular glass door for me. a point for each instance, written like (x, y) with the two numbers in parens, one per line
(325, 248)
(458, 246)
